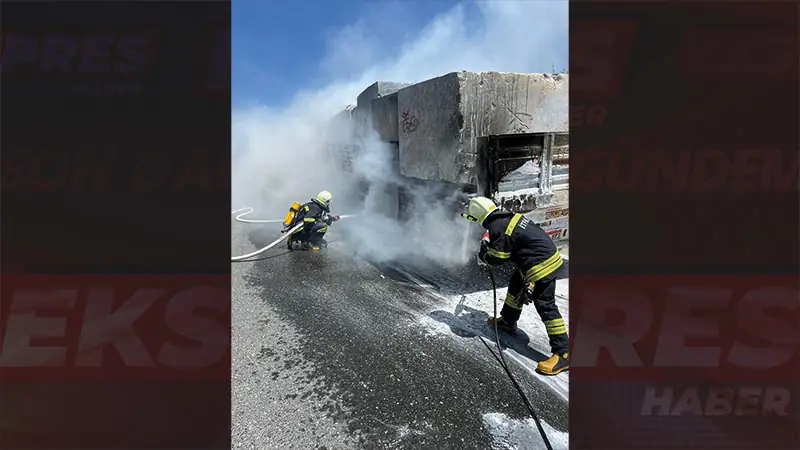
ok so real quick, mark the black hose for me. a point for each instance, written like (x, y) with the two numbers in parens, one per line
(503, 363)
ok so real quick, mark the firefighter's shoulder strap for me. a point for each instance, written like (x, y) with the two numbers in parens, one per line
(513, 223)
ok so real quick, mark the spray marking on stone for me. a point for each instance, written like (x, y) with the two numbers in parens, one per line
(410, 123)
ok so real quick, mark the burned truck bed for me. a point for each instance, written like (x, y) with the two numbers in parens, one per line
(502, 135)
(529, 173)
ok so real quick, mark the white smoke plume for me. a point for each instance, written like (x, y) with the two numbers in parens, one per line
(280, 154)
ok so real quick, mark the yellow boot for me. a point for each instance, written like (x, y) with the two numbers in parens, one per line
(554, 365)
(310, 246)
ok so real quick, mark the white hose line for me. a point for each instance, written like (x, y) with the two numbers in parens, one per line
(248, 210)
(257, 252)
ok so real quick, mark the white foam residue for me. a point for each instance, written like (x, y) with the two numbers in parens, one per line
(434, 327)
(562, 289)
(483, 300)
(456, 315)
(523, 173)
(508, 433)
(524, 178)
(502, 194)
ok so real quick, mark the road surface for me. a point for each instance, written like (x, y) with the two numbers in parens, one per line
(333, 352)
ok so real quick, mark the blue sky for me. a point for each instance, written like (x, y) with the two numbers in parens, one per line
(295, 64)
(278, 47)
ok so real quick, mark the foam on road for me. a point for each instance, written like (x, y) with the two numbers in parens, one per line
(468, 313)
(508, 433)
(330, 352)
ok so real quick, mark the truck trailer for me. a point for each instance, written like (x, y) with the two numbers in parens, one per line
(501, 135)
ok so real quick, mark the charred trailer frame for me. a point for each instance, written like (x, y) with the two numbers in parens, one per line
(543, 194)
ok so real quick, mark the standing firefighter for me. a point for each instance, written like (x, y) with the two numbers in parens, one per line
(316, 217)
(513, 237)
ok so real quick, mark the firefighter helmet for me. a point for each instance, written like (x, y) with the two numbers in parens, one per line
(480, 208)
(324, 197)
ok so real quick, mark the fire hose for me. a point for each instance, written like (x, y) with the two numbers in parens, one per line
(245, 211)
(504, 364)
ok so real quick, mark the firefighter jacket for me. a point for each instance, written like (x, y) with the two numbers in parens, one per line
(312, 213)
(515, 238)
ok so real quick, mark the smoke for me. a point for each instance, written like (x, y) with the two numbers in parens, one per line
(280, 154)
(431, 230)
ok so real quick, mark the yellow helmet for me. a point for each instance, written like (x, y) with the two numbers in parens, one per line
(480, 207)
(324, 197)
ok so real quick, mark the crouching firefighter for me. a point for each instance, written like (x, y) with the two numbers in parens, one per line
(316, 217)
(514, 238)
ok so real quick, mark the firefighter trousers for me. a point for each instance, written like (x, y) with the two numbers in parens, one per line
(313, 233)
(544, 300)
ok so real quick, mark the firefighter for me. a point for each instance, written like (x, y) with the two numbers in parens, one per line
(514, 238)
(316, 217)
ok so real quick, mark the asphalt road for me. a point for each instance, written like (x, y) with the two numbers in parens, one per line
(329, 352)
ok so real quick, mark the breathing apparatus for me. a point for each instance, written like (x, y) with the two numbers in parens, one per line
(293, 210)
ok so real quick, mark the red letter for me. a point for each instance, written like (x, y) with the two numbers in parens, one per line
(772, 179)
(590, 174)
(662, 171)
(744, 173)
(625, 179)
(711, 169)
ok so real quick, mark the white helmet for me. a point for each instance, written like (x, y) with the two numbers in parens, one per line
(324, 197)
(480, 207)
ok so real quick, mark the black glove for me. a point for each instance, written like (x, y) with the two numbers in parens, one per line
(526, 296)
(481, 252)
